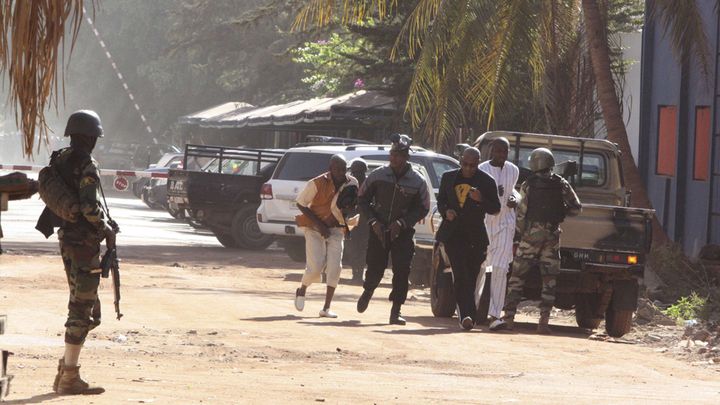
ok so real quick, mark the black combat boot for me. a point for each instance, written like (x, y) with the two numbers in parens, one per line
(395, 317)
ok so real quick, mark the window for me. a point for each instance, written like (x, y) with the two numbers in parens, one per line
(441, 166)
(302, 166)
(701, 169)
(667, 141)
(594, 172)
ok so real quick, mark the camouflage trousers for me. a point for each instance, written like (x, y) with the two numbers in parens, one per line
(82, 268)
(540, 245)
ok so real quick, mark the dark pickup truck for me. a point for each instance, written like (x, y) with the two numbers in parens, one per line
(219, 188)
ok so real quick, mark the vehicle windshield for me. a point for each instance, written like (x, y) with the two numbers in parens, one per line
(302, 166)
(594, 172)
(240, 167)
(439, 166)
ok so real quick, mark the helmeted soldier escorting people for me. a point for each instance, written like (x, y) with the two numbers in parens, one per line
(546, 199)
(393, 199)
(80, 245)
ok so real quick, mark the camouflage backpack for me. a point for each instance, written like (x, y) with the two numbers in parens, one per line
(57, 195)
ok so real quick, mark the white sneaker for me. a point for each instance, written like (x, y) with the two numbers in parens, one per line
(299, 300)
(327, 313)
(498, 324)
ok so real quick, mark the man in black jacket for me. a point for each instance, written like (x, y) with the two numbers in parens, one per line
(393, 199)
(466, 195)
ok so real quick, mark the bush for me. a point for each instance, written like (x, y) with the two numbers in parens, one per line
(689, 284)
(688, 307)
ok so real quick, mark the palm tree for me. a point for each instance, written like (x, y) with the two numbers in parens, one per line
(32, 43)
(469, 45)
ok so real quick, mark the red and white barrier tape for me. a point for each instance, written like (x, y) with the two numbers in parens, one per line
(103, 172)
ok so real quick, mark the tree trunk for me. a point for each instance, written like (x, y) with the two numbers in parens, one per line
(612, 113)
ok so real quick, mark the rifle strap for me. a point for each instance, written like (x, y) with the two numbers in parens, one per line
(104, 205)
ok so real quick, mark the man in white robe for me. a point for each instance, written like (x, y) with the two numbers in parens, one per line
(500, 230)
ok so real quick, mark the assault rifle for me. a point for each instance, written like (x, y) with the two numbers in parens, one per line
(110, 264)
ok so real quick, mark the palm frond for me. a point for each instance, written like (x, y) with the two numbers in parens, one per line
(683, 22)
(31, 44)
(323, 12)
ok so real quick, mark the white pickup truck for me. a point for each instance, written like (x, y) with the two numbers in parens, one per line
(277, 211)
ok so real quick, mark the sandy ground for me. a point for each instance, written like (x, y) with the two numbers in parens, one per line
(211, 325)
(204, 324)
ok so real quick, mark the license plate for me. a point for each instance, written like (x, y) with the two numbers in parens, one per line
(586, 256)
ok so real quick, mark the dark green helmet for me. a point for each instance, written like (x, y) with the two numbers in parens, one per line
(541, 159)
(84, 122)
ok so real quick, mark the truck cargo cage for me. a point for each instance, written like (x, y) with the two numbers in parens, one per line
(218, 155)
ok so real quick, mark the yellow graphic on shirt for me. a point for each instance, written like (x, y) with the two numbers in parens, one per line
(461, 191)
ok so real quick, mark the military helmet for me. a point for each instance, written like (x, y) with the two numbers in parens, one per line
(541, 159)
(84, 122)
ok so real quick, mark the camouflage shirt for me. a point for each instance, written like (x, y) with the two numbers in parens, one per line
(570, 199)
(80, 172)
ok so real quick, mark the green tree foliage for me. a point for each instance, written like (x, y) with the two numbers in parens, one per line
(330, 65)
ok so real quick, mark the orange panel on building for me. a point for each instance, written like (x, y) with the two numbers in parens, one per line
(667, 141)
(701, 169)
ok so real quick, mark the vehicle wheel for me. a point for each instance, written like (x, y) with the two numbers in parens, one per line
(442, 294)
(226, 240)
(246, 231)
(484, 304)
(176, 213)
(421, 267)
(295, 249)
(586, 310)
(618, 321)
(190, 219)
(144, 198)
(137, 188)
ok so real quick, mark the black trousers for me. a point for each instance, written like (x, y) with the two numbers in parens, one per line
(466, 256)
(356, 247)
(402, 250)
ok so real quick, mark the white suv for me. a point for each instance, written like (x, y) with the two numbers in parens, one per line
(277, 211)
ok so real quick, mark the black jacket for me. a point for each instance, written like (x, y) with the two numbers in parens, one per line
(386, 198)
(472, 211)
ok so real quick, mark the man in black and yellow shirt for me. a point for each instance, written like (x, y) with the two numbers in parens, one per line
(466, 195)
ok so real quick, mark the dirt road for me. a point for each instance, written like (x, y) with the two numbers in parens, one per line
(215, 326)
(204, 324)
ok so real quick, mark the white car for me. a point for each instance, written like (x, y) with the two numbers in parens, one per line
(277, 211)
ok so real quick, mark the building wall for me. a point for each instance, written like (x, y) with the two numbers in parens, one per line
(682, 202)
(632, 52)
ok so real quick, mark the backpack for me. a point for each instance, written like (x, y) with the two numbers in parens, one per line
(57, 195)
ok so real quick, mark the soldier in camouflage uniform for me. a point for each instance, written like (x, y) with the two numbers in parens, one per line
(546, 199)
(80, 246)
